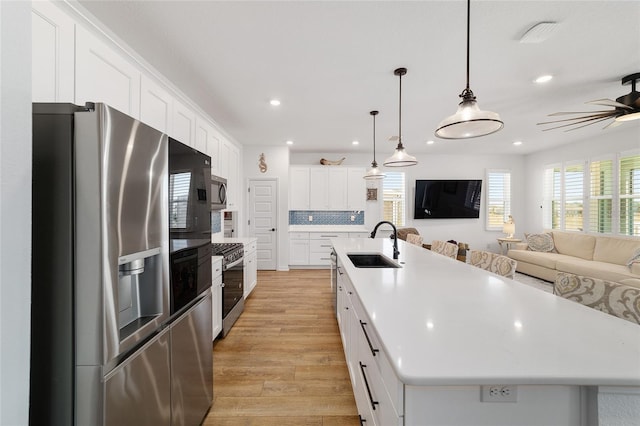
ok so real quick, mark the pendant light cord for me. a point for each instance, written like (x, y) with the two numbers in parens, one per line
(468, 31)
(400, 114)
(374, 139)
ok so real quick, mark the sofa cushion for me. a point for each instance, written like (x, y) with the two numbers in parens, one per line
(635, 268)
(631, 282)
(591, 268)
(547, 260)
(573, 244)
(539, 242)
(615, 250)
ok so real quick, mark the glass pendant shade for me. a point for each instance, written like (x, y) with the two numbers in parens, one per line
(628, 117)
(400, 158)
(374, 172)
(469, 122)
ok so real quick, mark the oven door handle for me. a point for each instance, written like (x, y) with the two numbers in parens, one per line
(231, 265)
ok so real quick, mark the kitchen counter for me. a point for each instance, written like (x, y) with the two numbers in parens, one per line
(328, 228)
(443, 322)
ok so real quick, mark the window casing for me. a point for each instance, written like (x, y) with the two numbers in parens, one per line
(599, 196)
(394, 198)
(498, 205)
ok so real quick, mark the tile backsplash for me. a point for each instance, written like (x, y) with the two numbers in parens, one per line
(216, 222)
(323, 217)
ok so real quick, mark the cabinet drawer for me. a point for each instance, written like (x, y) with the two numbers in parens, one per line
(316, 258)
(216, 267)
(320, 246)
(250, 247)
(298, 235)
(359, 234)
(379, 361)
(327, 235)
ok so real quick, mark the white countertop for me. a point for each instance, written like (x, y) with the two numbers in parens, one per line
(328, 228)
(443, 322)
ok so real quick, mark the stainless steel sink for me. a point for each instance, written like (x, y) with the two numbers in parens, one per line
(371, 260)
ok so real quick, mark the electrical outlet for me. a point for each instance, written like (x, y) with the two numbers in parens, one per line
(499, 393)
(353, 218)
(310, 218)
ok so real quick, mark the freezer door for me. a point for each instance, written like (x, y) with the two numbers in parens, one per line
(192, 364)
(138, 391)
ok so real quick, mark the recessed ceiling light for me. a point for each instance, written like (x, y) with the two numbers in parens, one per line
(543, 78)
(289, 142)
(430, 142)
(355, 143)
(274, 102)
(517, 143)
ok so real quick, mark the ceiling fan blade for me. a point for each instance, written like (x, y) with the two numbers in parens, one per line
(579, 112)
(614, 123)
(393, 139)
(588, 121)
(582, 118)
(609, 102)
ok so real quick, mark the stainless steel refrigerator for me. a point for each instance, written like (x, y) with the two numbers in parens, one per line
(100, 270)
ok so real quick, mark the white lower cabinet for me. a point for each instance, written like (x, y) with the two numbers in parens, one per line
(250, 268)
(216, 291)
(312, 248)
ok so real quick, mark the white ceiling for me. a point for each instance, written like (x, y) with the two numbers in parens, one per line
(331, 62)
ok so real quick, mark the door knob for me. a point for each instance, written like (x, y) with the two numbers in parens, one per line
(273, 229)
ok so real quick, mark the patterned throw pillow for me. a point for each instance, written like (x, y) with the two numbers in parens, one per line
(540, 242)
(635, 258)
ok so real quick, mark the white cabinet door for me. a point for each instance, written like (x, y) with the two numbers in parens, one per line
(337, 189)
(234, 190)
(203, 133)
(250, 272)
(298, 252)
(183, 124)
(103, 75)
(299, 188)
(213, 147)
(225, 152)
(356, 188)
(319, 188)
(155, 105)
(52, 54)
(216, 290)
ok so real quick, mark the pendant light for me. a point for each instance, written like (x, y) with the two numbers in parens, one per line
(400, 158)
(374, 172)
(469, 121)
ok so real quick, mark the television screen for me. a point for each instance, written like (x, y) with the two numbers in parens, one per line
(447, 199)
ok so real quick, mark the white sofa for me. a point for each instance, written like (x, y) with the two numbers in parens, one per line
(589, 255)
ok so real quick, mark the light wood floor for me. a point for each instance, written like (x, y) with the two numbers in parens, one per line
(282, 363)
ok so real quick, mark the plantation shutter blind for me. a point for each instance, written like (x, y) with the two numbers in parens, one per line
(630, 195)
(498, 198)
(393, 190)
(552, 198)
(601, 196)
(574, 197)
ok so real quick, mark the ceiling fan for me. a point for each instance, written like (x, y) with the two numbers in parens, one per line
(625, 108)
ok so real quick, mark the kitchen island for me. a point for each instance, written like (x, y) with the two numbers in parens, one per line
(438, 342)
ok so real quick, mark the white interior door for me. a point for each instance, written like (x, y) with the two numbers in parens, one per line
(263, 220)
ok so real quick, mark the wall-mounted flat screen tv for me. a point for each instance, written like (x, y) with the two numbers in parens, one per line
(447, 199)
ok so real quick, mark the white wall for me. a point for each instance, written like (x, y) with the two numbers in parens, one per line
(277, 159)
(623, 138)
(471, 231)
(15, 210)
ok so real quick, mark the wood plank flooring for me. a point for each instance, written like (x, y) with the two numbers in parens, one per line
(282, 363)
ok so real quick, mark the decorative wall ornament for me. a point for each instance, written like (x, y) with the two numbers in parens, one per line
(262, 163)
(372, 194)
(326, 162)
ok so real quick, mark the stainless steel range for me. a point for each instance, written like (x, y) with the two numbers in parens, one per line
(232, 282)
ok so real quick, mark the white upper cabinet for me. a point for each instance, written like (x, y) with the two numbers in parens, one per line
(299, 188)
(52, 54)
(213, 146)
(225, 152)
(356, 188)
(234, 190)
(183, 124)
(203, 132)
(155, 105)
(102, 75)
(319, 188)
(337, 190)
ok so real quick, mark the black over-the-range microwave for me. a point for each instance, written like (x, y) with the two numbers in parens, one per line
(218, 193)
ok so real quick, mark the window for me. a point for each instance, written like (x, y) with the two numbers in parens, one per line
(179, 184)
(630, 195)
(599, 196)
(498, 198)
(393, 195)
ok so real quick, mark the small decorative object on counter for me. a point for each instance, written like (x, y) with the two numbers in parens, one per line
(262, 163)
(326, 162)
